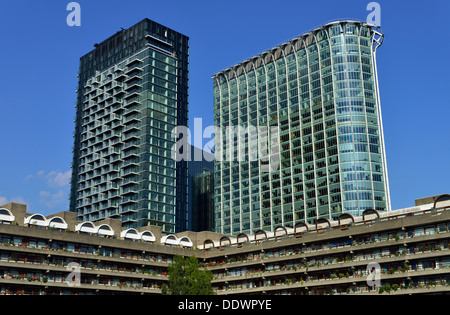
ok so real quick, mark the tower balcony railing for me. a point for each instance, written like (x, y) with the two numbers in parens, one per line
(129, 119)
(126, 200)
(129, 171)
(131, 127)
(134, 61)
(132, 110)
(132, 94)
(133, 84)
(131, 135)
(130, 153)
(130, 181)
(119, 92)
(132, 101)
(120, 76)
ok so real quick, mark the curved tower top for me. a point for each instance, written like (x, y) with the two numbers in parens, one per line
(307, 39)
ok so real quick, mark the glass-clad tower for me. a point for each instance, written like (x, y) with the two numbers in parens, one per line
(318, 94)
(133, 90)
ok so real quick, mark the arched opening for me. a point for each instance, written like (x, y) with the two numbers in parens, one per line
(36, 220)
(320, 222)
(370, 212)
(148, 236)
(6, 216)
(4, 211)
(301, 228)
(223, 240)
(105, 230)
(323, 224)
(208, 244)
(57, 223)
(242, 242)
(185, 242)
(86, 228)
(130, 234)
(262, 234)
(443, 197)
(170, 240)
(281, 235)
(37, 217)
(344, 219)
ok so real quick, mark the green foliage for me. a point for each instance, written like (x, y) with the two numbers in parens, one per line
(186, 278)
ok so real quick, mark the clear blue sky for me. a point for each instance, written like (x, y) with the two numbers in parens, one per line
(40, 56)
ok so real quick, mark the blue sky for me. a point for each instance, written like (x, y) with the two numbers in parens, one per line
(40, 55)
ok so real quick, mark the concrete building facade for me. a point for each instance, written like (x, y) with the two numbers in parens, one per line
(408, 249)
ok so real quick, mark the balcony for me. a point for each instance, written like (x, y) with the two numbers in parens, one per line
(129, 173)
(133, 110)
(132, 94)
(134, 101)
(128, 200)
(130, 136)
(131, 119)
(119, 76)
(131, 145)
(130, 181)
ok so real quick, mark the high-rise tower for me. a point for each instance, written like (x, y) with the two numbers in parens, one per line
(132, 92)
(318, 94)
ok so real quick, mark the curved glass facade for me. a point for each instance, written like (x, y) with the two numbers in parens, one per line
(320, 93)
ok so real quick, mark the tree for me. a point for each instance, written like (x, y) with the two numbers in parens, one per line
(186, 278)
